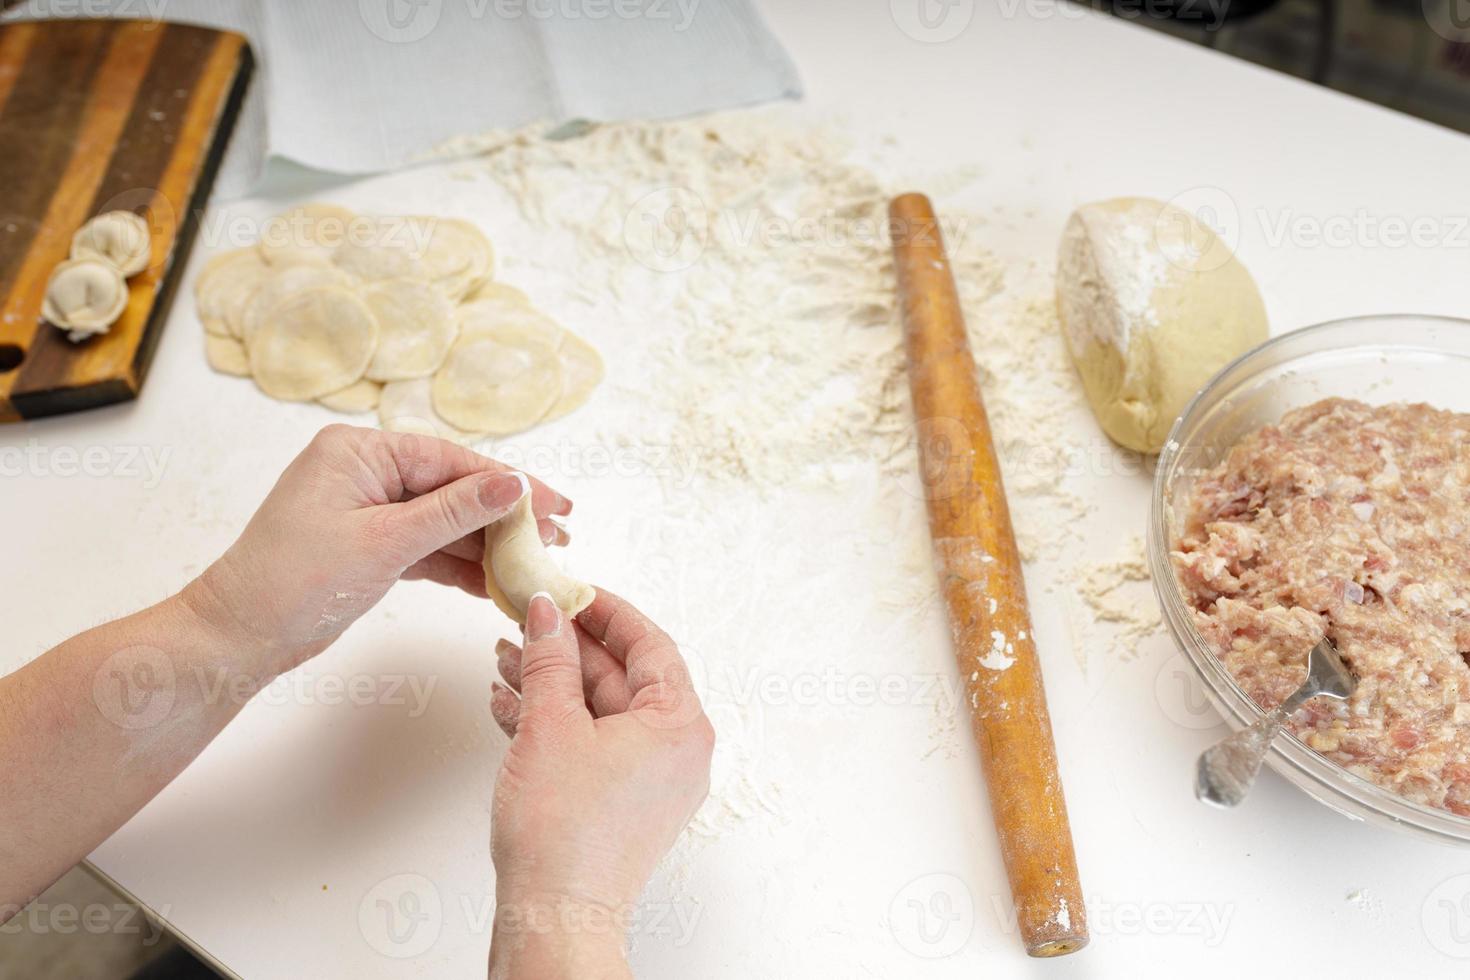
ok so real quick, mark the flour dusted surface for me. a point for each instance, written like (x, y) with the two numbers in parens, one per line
(758, 263)
(736, 270)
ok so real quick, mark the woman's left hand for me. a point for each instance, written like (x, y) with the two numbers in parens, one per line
(355, 512)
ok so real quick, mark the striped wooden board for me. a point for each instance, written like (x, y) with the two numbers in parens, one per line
(102, 115)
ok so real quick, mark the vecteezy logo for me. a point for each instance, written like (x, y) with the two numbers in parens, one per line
(738, 717)
(1189, 244)
(946, 459)
(154, 208)
(932, 21)
(1182, 697)
(135, 688)
(400, 21)
(401, 916)
(1445, 917)
(1450, 19)
(933, 916)
(667, 230)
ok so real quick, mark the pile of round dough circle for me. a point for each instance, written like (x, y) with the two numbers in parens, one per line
(396, 314)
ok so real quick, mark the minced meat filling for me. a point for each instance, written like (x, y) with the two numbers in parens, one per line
(1354, 521)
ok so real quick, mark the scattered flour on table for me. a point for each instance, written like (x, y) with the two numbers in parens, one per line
(744, 258)
(771, 255)
(770, 251)
(1117, 592)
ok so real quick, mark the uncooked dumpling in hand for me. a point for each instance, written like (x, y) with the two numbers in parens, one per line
(517, 567)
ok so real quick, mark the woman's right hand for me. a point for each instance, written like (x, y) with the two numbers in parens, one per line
(609, 760)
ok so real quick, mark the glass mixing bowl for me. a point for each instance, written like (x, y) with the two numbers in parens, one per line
(1375, 359)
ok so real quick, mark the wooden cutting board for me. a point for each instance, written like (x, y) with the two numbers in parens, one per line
(102, 115)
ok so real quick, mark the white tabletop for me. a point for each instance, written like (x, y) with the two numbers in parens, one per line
(856, 850)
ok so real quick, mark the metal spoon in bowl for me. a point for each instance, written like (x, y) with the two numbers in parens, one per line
(1228, 768)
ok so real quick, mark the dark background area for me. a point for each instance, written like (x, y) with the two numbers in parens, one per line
(1410, 55)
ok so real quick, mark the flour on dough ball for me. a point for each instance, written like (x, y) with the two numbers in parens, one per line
(1152, 304)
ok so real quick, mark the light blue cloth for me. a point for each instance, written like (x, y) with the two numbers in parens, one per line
(361, 86)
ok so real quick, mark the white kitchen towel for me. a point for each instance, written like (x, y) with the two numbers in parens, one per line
(360, 86)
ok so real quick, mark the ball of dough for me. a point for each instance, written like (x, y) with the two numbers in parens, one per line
(1152, 304)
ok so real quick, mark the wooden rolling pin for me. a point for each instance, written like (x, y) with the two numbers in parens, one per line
(980, 573)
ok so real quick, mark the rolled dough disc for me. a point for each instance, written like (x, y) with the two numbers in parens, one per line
(309, 233)
(223, 290)
(417, 328)
(458, 257)
(408, 406)
(389, 248)
(497, 384)
(227, 355)
(280, 284)
(312, 344)
(582, 371)
(498, 292)
(362, 396)
(509, 322)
